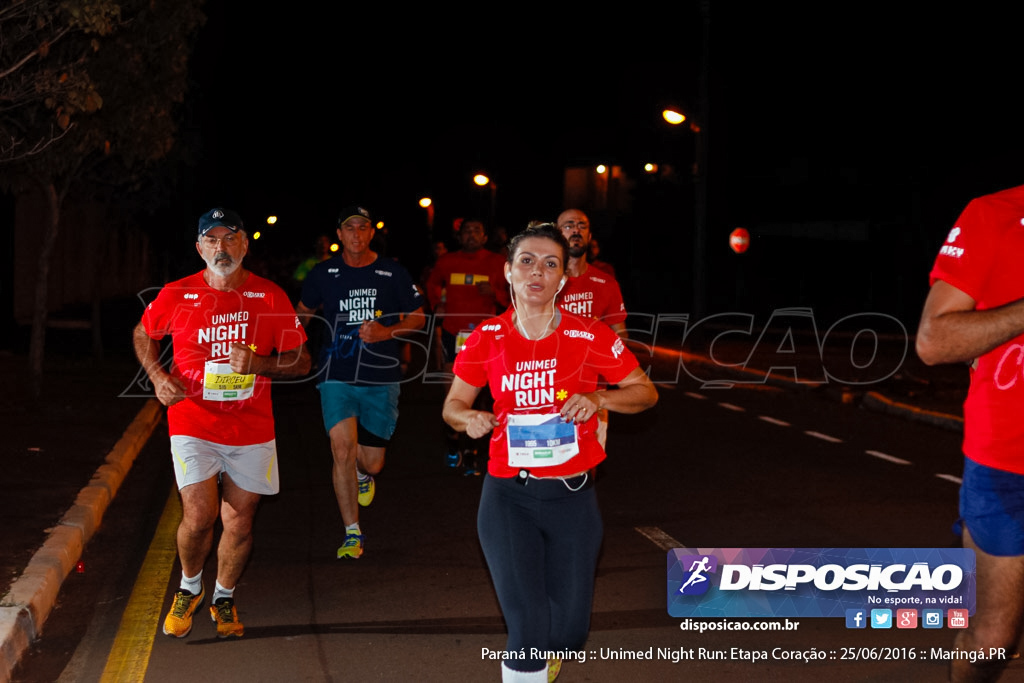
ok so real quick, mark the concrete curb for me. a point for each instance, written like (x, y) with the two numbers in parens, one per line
(876, 401)
(28, 603)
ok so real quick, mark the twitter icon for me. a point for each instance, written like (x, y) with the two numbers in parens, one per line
(881, 618)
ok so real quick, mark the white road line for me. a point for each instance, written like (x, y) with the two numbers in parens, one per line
(823, 437)
(950, 477)
(890, 458)
(774, 421)
(733, 407)
(658, 537)
(693, 394)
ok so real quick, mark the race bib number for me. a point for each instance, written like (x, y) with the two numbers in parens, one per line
(221, 383)
(540, 440)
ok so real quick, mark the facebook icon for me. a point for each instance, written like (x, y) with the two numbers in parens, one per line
(856, 618)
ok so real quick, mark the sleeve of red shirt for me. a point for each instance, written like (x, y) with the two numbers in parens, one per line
(155, 318)
(966, 254)
(616, 310)
(609, 356)
(471, 361)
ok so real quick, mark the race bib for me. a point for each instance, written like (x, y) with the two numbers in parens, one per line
(221, 383)
(540, 440)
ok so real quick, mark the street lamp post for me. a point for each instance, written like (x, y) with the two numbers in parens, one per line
(483, 181)
(700, 162)
(428, 204)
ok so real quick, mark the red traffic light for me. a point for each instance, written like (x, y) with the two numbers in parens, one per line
(739, 240)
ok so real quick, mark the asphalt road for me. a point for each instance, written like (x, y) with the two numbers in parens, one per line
(748, 466)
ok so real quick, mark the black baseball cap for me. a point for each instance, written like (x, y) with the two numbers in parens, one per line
(350, 211)
(219, 218)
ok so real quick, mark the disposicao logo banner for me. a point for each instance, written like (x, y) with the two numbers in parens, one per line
(816, 582)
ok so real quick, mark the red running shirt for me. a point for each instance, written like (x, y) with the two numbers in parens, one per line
(982, 258)
(203, 322)
(537, 377)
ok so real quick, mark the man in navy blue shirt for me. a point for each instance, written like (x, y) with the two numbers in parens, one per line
(369, 301)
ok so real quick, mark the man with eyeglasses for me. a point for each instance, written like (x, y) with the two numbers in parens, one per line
(233, 332)
(589, 292)
(368, 302)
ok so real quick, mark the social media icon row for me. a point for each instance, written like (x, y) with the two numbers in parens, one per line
(905, 618)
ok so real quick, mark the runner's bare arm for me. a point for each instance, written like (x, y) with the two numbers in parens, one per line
(168, 389)
(952, 330)
(458, 411)
(634, 394)
(293, 363)
(304, 312)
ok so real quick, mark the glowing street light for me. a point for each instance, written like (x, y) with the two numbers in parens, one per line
(271, 220)
(650, 168)
(428, 204)
(483, 181)
(601, 169)
(672, 116)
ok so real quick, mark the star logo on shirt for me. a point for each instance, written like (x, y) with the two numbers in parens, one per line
(562, 395)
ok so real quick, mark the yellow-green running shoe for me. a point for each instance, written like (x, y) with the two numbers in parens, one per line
(352, 548)
(366, 490)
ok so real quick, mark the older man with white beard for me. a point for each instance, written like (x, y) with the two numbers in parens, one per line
(232, 332)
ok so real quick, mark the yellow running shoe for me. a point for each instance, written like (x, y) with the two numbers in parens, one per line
(352, 548)
(554, 667)
(366, 490)
(179, 620)
(223, 614)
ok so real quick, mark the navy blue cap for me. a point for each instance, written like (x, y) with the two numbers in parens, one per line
(219, 218)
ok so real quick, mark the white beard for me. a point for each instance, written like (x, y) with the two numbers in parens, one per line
(222, 269)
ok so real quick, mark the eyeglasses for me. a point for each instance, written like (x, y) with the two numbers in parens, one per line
(229, 239)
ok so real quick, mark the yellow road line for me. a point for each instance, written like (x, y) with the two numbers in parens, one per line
(129, 657)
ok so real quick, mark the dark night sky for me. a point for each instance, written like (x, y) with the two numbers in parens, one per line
(817, 113)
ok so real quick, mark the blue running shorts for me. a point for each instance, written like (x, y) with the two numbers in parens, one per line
(375, 407)
(992, 507)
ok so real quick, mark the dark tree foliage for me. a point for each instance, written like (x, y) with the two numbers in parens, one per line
(89, 100)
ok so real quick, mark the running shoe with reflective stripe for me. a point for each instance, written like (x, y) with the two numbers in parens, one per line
(179, 620)
(223, 614)
(352, 548)
(366, 490)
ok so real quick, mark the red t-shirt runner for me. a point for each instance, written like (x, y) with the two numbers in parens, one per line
(595, 294)
(537, 377)
(981, 257)
(203, 323)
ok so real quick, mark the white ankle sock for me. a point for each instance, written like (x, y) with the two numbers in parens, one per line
(220, 591)
(193, 585)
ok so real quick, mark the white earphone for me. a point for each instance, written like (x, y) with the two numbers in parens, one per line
(508, 277)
